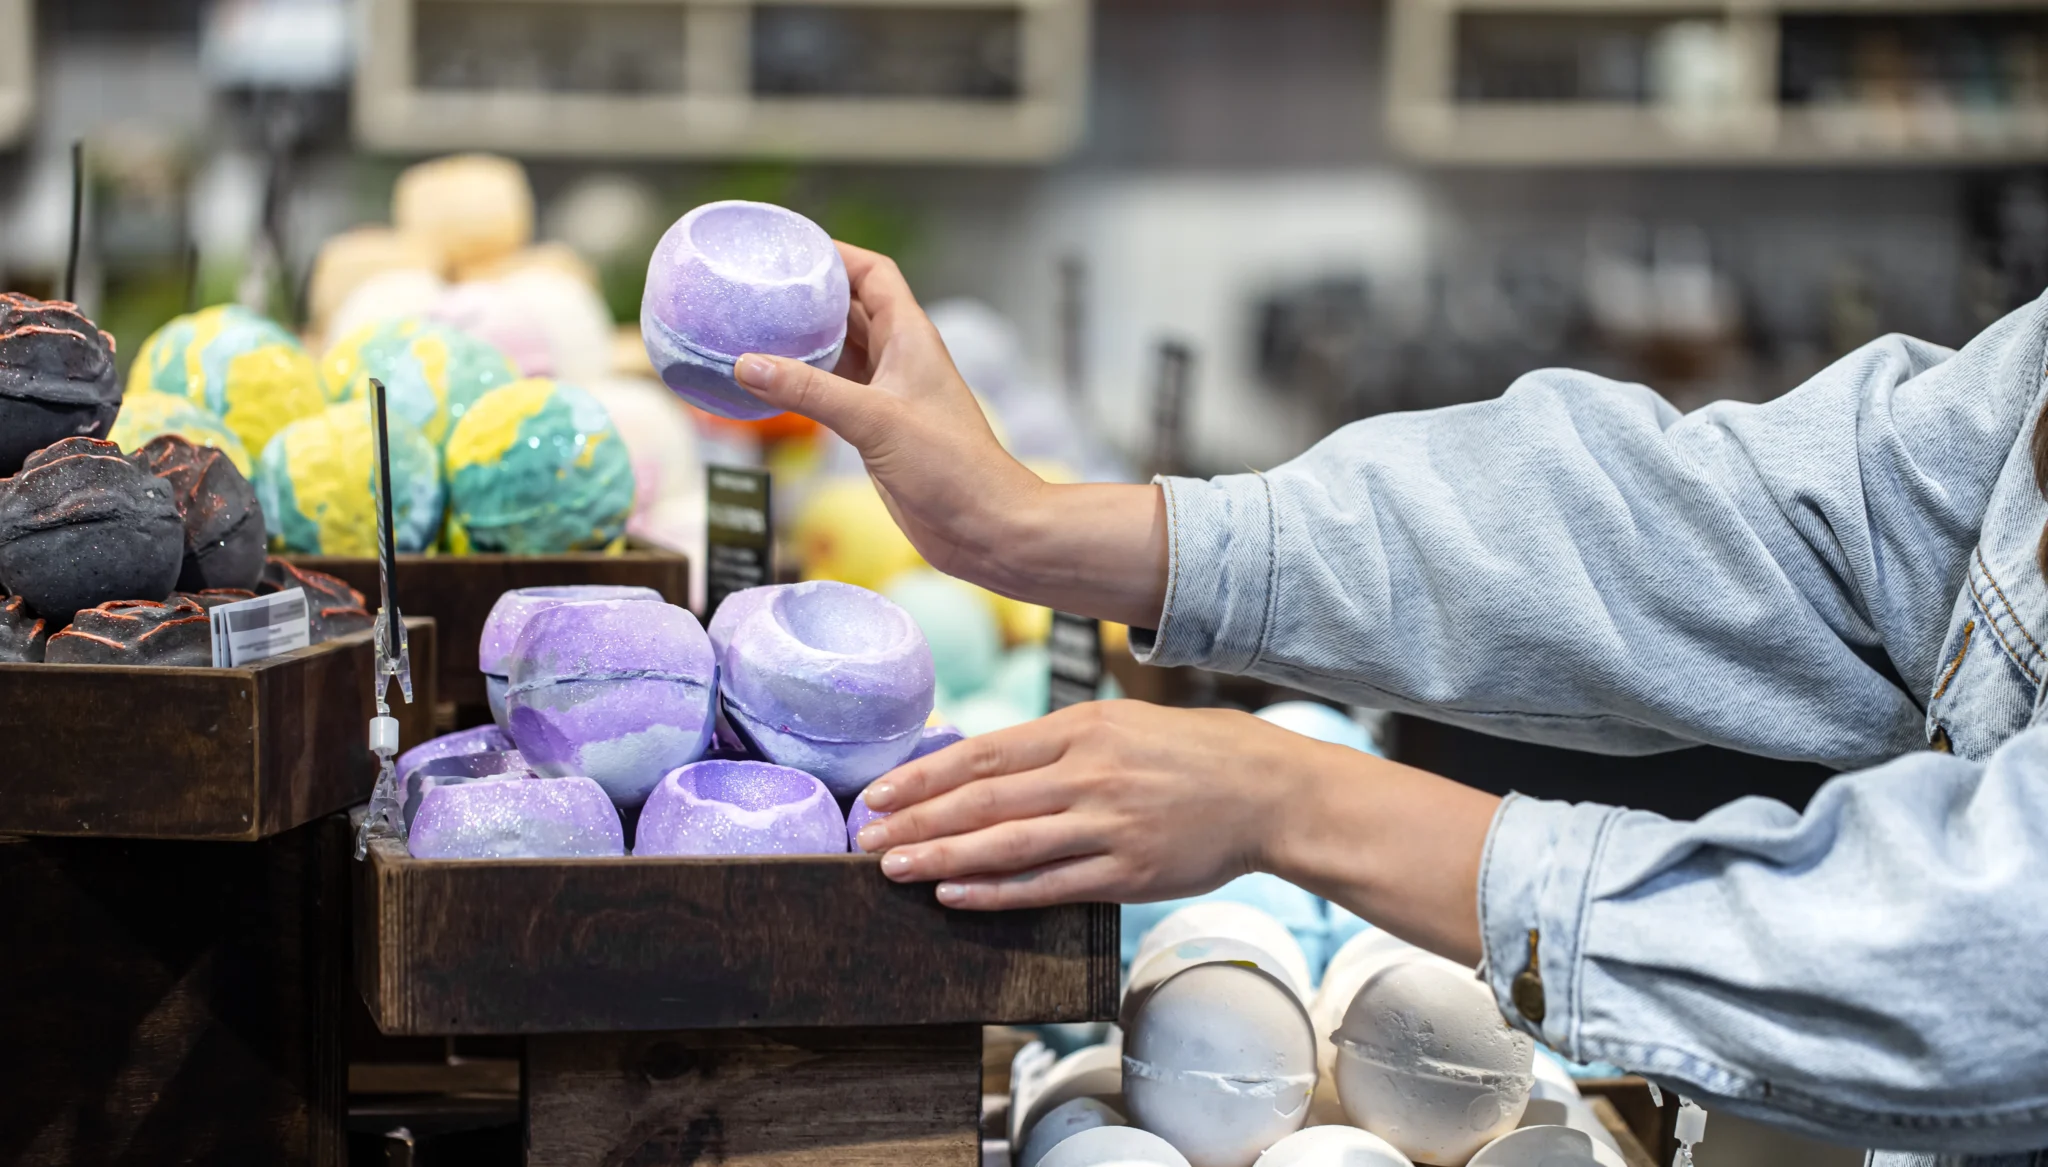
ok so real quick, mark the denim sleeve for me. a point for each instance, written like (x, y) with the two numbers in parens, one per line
(1802, 969)
(1578, 564)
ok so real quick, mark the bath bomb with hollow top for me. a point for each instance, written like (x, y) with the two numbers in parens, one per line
(830, 679)
(482, 739)
(432, 373)
(467, 207)
(517, 818)
(732, 278)
(23, 634)
(1425, 1062)
(1063, 1122)
(618, 690)
(135, 632)
(1219, 1062)
(317, 483)
(536, 467)
(509, 616)
(454, 770)
(81, 525)
(1333, 1146)
(57, 377)
(934, 739)
(150, 414)
(739, 808)
(244, 368)
(224, 534)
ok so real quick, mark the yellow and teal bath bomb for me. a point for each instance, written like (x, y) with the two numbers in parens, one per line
(149, 415)
(432, 373)
(317, 483)
(243, 367)
(534, 468)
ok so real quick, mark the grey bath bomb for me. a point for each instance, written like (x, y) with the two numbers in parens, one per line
(81, 525)
(23, 634)
(57, 377)
(136, 632)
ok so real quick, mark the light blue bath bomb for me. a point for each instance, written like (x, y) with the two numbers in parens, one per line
(959, 624)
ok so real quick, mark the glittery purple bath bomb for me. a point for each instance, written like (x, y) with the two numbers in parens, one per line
(931, 741)
(734, 612)
(831, 679)
(517, 818)
(740, 808)
(514, 609)
(617, 690)
(455, 770)
(481, 740)
(732, 278)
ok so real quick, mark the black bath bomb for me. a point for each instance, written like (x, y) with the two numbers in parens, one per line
(22, 632)
(135, 632)
(332, 607)
(213, 598)
(224, 536)
(56, 377)
(82, 525)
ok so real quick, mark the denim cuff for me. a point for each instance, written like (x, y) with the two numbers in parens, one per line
(1219, 576)
(1536, 874)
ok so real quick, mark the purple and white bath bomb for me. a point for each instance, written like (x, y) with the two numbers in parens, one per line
(934, 739)
(620, 691)
(733, 612)
(455, 770)
(740, 808)
(480, 740)
(732, 278)
(514, 609)
(830, 679)
(517, 818)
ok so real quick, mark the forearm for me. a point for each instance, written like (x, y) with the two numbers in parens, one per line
(1096, 549)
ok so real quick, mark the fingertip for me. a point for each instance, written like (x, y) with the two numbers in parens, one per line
(755, 373)
(952, 895)
(880, 796)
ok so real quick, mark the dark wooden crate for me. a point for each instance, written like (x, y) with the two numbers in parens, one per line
(120, 751)
(458, 591)
(562, 946)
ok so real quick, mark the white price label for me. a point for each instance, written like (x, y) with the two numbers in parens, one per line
(248, 631)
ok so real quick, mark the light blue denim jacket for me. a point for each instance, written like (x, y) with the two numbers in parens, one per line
(1843, 575)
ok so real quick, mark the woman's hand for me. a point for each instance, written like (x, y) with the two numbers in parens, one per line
(971, 509)
(1130, 802)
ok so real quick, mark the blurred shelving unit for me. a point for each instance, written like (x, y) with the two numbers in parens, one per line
(879, 80)
(17, 68)
(1719, 82)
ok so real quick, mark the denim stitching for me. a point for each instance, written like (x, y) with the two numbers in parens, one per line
(1576, 973)
(1969, 626)
(1161, 644)
(1272, 572)
(1991, 613)
(2010, 610)
(1485, 868)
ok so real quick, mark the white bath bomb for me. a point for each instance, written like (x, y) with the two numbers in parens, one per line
(1215, 919)
(388, 295)
(472, 207)
(1333, 1146)
(1095, 1071)
(353, 257)
(1113, 1146)
(1355, 963)
(1064, 1121)
(1425, 1062)
(660, 439)
(1219, 1061)
(1547, 1146)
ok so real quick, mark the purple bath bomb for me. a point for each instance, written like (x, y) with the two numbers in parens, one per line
(740, 808)
(454, 770)
(514, 609)
(732, 278)
(733, 612)
(931, 741)
(831, 679)
(480, 740)
(517, 818)
(620, 691)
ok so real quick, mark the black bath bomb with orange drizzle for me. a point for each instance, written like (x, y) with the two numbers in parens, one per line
(136, 632)
(81, 525)
(22, 633)
(332, 607)
(224, 536)
(56, 377)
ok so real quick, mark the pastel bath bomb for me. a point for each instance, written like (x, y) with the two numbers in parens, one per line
(934, 739)
(57, 377)
(224, 532)
(536, 467)
(958, 623)
(245, 369)
(317, 481)
(151, 414)
(489, 766)
(740, 808)
(509, 617)
(831, 679)
(732, 278)
(662, 442)
(81, 525)
(468, 208)
(521, 818)
(483, 739)
(432, 373)
(620, 691)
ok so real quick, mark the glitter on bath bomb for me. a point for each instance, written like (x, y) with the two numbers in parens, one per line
(333, 608)
(732, 278)
(740, 808)
(81, 525)
(135, 632)
(536, 467)
(57, 377)
(453, 770)
(831, 679)
(934, 739)
(519, 818)
(23, 634)
(316, 480)
(617, 690)
(432, 373)
(244, 368)
(510, 614)
(224, 535)
(483, 739)
(149, 414)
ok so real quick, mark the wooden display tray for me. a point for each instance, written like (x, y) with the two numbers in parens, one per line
(458, 591)
(123, 751)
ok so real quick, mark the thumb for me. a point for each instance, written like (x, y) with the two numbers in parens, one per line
(855, 412)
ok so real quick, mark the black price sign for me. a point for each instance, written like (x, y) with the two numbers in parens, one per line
(739, 538)
(1075, 654)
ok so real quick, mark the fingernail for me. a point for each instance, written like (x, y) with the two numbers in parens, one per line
(755, 372)
(896, 864)
(871, 840)
(952, 893)
(877, 795)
